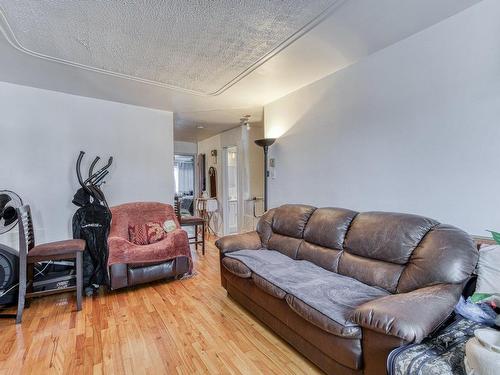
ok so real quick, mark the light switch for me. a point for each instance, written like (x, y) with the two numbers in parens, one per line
(272, 168)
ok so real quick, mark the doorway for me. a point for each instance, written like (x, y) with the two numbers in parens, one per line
(184, 174)
(231, 193)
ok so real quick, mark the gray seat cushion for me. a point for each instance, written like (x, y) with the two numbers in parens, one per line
(268, 287)
(324, 298)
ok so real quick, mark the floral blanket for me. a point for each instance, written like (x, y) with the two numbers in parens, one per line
(441, 354)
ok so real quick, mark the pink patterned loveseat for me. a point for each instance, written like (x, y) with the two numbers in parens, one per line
(131, 264)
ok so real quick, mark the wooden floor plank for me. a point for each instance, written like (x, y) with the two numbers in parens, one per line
(168, 327)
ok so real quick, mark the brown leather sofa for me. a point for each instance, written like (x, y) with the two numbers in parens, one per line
(415, 266)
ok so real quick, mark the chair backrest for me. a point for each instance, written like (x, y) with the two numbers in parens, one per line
(26, 231)
(177, 208)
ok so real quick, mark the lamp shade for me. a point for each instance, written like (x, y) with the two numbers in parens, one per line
(266, 142)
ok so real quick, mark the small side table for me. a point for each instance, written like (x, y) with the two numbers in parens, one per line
(207, 207)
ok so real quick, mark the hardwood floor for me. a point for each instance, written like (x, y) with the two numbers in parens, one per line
(179, 327)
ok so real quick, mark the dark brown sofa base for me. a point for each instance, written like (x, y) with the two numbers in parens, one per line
(303, 346)
(123, 275)
(279, 318)
(312, 342)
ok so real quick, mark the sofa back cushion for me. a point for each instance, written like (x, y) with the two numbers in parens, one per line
(288, 223)
(371, 271)
(284, 244)
(394, 251)
(328, 226)
(291, 219)
(324, 235)
(386, 236)
(379, 245)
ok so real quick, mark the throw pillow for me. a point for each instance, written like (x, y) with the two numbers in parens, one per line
(145, 234)
(155, 232)
(169, 226)
(488, 270)
(137, 234)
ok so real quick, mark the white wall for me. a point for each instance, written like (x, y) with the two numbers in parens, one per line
(412, 128)
(185, 147)
(42, 133)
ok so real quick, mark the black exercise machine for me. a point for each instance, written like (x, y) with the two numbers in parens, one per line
(91, 222)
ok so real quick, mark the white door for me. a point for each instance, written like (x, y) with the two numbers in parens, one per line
(231, 204)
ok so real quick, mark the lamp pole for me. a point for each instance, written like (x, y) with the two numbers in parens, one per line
(265, 143)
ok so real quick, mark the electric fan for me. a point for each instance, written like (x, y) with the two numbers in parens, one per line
(9, 259)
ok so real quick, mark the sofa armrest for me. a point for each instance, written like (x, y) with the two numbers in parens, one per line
(234, 242)
(410, 316)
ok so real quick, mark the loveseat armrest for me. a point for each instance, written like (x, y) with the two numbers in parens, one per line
(243, 241)
(115, 241)
(410, 316)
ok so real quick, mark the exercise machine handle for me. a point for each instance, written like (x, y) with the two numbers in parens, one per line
(91, 169)
(79, 172)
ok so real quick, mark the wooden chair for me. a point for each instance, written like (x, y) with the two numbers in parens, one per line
(195, 221)
(29, 254)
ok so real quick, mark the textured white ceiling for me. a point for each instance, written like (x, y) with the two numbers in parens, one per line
(199, 46)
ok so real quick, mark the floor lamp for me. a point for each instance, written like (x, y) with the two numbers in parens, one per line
(265, 143)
